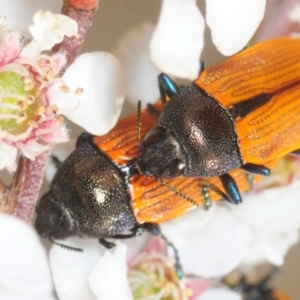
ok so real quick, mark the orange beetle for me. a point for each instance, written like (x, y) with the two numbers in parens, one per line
(241, 113)
(95, 194)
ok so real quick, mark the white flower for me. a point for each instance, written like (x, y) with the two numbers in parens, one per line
(220, 293)
(233, 22)
(178, 39)
(133, 51)
(33, 97)
(274, 222)
(262, 229)
(24, 272)
(19, 13)
(97, 273)
(215, 239)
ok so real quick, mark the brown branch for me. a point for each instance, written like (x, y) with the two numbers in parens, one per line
(30, 184)
(9, 195)
(82, 11)
(20, 198)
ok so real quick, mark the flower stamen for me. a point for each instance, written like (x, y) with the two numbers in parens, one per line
(64, 88)
(22, 117)
(33, 124)
(41, 110)
(79, 91)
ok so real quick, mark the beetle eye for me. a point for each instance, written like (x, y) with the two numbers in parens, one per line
(155, 135)
(174, 169)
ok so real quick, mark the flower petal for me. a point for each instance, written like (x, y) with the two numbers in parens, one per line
(198, 286)
(277, 20)
(101, 78)
(10, 49)
(178, 38)
(89, 275)
(140, 72)
(273, 210)
(276, 246)
(220, 293)
(19, 13)
(233, 22)
(48, 30)
(24, 273)
(294, 14)
(71, 269)
(210, 249)
(108, 280)
(135, 246)
(8, 156)
(268, 247)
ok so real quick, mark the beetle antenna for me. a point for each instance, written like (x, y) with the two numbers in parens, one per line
(65, 246)
(191, 200)
(178, 265)
(139, 124)
(182, 195)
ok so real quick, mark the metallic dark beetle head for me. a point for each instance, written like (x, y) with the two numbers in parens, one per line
(161, 155)
(88, 197)
(194, 136)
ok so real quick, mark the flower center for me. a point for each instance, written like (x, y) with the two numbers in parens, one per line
(20, 101)
(154, 278)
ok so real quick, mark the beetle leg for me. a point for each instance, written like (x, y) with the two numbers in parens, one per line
(83, 138)
(178, 266)
(167, 87)
(201, 67)
(297, 152)
(231, 189)
(136, 231)
(152, 228)
(250, 180)
(66, 246)
(106, 244)
(56, 161)
(206, 197)
(256, 169)
(153, 110)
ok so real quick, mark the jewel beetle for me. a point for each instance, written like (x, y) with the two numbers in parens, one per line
(97, 193)
(241, 113)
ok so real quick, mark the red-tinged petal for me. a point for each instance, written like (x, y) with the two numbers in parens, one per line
(198, 286)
